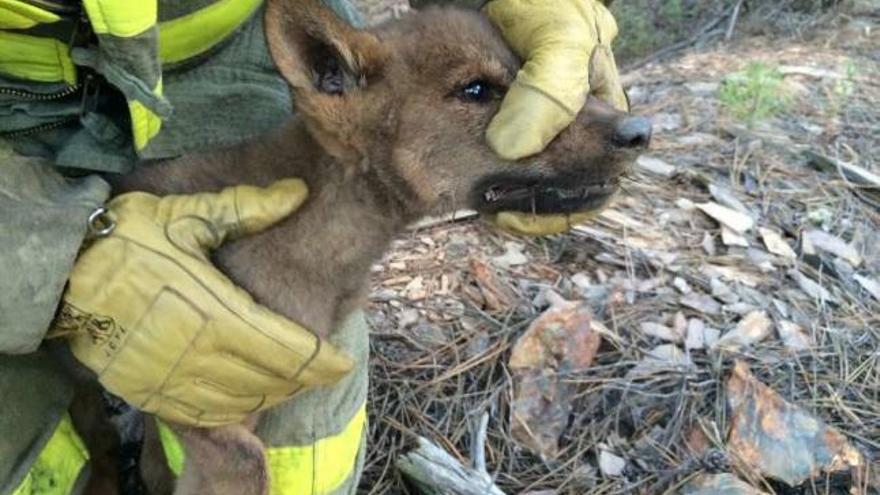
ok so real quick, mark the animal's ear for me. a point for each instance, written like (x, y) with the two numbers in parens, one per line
(317, 52)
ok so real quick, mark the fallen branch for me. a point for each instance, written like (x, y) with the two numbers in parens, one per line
(733, 18)
(435, 472)
(863, 182)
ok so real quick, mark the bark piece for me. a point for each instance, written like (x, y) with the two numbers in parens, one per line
(737, 221)
(776, 244)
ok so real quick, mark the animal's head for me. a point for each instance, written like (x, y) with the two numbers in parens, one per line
(412, 99)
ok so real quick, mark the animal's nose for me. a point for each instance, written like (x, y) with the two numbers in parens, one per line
(632, 132)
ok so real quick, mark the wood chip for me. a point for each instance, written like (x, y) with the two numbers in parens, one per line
(655, 166)
(513, 256)
(731, 238)
(834, 245)
(750, 330)
(610, 464)
(681, 285)
(661, 332)
(736, 221)
(811, 288)
(662, 358)
(793, 336)
(698, 139)
(869, 284)
(727, 198)
(699, 336)
(702, 303)
(803, 70)
(415, 290)
(776, 244)
(732, 274)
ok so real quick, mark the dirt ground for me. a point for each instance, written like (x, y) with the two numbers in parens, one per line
(789, 283)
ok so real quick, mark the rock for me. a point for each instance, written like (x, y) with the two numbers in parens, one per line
(736, 221)
(751, 329)
(719, 484)
(559, 342)
(776, 439)
(776, 244)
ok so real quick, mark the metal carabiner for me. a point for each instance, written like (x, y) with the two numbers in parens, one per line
(101, 222)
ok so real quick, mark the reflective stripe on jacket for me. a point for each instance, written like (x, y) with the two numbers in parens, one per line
(315, 441)
(105, 83)
(131, 47)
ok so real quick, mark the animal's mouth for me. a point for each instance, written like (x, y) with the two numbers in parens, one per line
(542, 196)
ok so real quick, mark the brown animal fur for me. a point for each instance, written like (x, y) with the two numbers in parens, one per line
(382, 135)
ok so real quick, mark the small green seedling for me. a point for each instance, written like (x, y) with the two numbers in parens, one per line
(755, 94)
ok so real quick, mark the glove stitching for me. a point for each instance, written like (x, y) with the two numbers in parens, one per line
(550, 97)
(318, 341)
(197, 253)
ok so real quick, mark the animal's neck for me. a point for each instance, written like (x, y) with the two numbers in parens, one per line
(313, 266)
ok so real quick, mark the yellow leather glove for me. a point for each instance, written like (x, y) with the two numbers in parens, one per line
(169, 333)
(566, 46)
(538, 225)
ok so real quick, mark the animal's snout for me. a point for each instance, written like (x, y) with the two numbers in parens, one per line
(632, 132)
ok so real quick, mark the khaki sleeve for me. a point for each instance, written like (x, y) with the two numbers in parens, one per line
(43, 219)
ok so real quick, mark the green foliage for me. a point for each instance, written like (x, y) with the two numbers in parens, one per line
(648, 25)
(839, 95)
(755, 94)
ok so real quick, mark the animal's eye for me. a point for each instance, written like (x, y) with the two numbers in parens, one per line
(476, 91)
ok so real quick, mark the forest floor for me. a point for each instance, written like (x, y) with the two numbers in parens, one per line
(734, 285)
